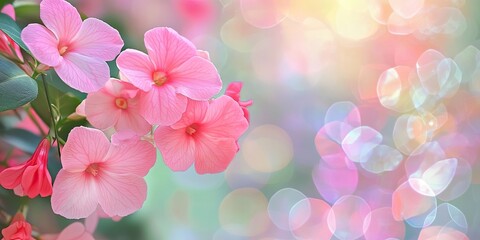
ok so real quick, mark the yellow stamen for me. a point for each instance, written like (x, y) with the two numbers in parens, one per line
(62, 50)
(159, 78)
(93, 169)
(121, 103)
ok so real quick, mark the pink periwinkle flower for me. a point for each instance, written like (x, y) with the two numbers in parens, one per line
(171, 72)
(7, 45)
(205, 135)
(116, 105)
(97, 173)
(76, 50)
(74, 231)
(233, 91)
(32, 177)
(18, 229)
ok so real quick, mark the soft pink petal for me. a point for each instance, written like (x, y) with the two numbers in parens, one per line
(100, 109)
(194, 113)
(137, 158)
(131, 119)
(75, 231)
(125, 137)
(9, 10)
(60, 17)
(97, 39)
(74, 195)
(196, 78)
(12, 177)
(121, 194)
(83, 73)
(225, 118)
(203, 54)
(177, 148)
(84, 146)
(42, 43)
(137, 68)
(214, 154)
(80, 110)
(162, 105)
(167, 48)
(91, 221)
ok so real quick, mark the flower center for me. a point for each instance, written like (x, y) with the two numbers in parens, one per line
(192, 129)
(93, 169)
(159, 78)
(62, 50)
(121, 103)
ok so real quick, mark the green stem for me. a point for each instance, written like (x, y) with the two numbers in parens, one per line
(54, 124)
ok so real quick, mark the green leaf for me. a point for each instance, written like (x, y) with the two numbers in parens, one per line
(16, 87)
(10, 27)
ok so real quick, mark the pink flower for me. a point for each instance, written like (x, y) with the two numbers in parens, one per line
(116, 105)
(32, 177)
(171, 72)
(205, 135)
(7, 45)
(233, 91)
(76, 50)
(74, 231)
(18, 229)
(98, 173)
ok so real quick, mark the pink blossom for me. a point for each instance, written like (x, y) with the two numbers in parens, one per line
(74, 231)
(7, 45)
(205, 135)
(32, 177)
(97, 173)
(91, 221)
(18, 229)
(76, 50)
(116, 105)
(233, 91)
(171, 72)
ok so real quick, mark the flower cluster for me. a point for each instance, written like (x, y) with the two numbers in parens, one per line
(163, 99)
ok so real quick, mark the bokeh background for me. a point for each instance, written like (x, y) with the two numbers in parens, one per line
(365, 122)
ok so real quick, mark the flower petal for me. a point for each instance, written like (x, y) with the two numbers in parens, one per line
(137, 68)
(194, 113)
(136, 158)
(97, 39)
(225, 118)
(131, 120)
(74, 195)
(61, 18)
(32, 181)
(12, 177)
(196, 78)
(75, 231)
(162, 105)
(100, 109)
(9, 10)
(177, 148)
(84, 146)
(83, 73)
(167, 49)
(214, 154)
(121, 194)
(42, 43)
